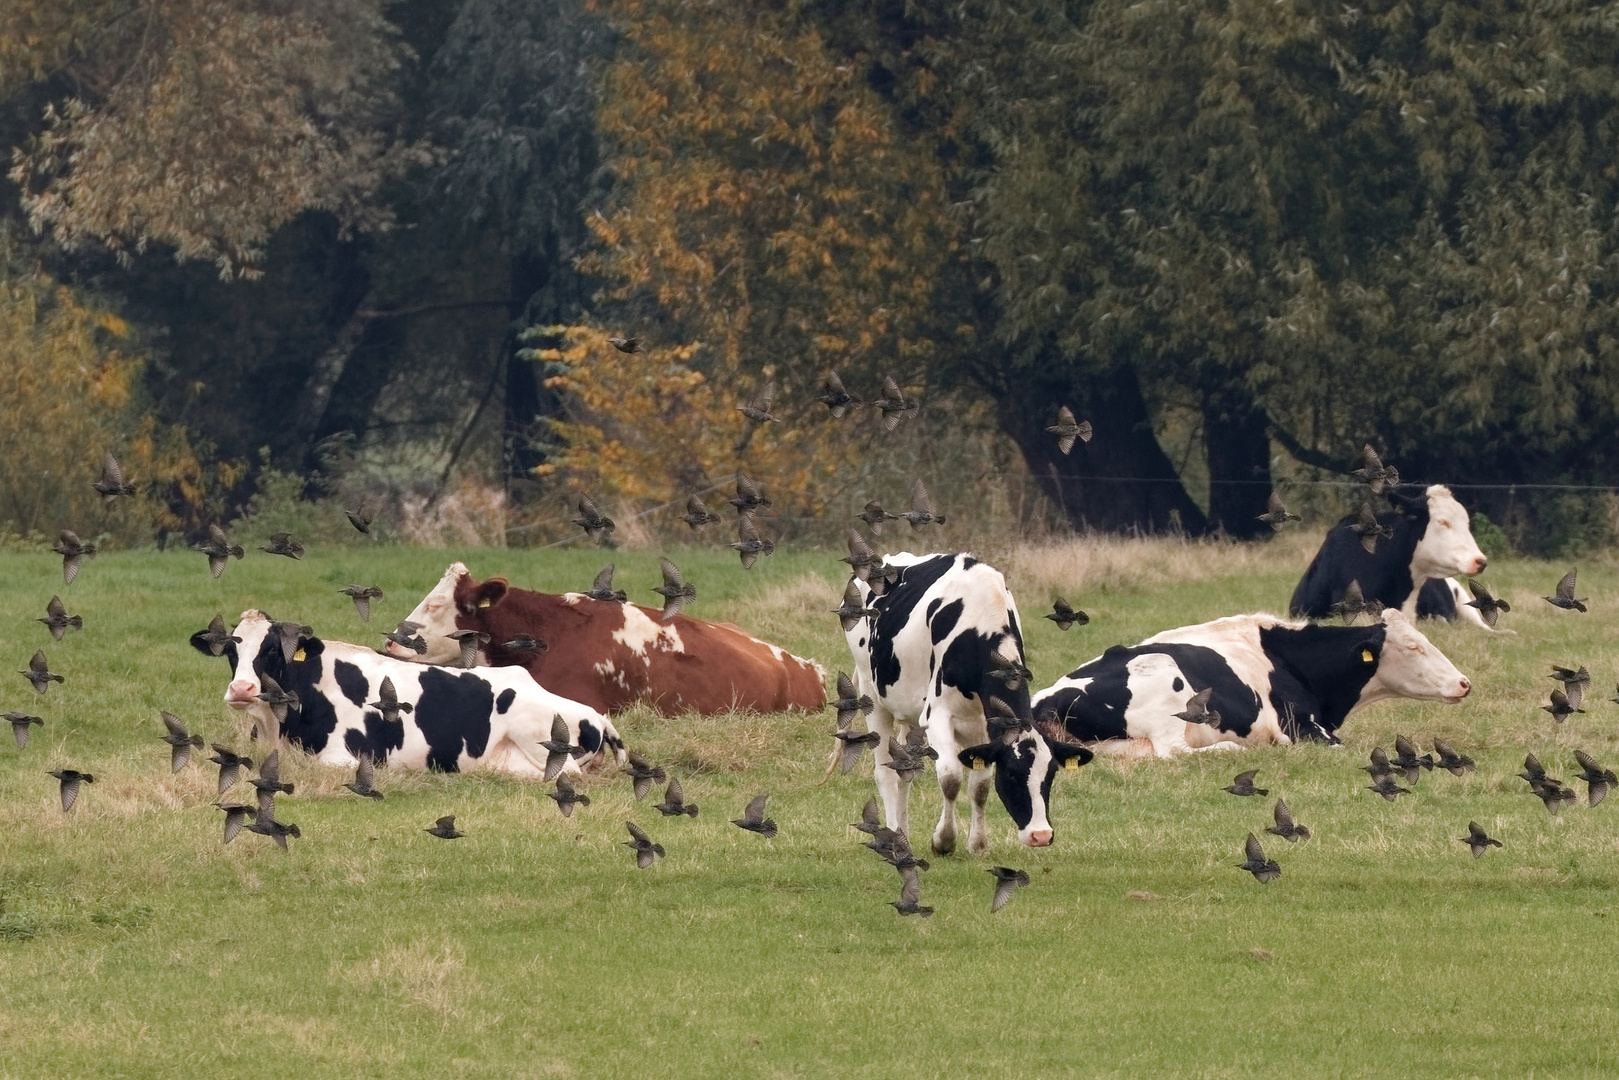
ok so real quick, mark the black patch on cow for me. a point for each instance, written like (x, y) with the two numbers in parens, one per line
(453, 714)
(504, 701)
(352, 681)
(382, 736)
(894, 611)
(968, 563)
(1436, 601)
(1098, 711)
(967, 663)
(589, 737)
(942, 620)
(1178, 685)
(1320, 671)
(933, 606)
(310, 725)
(1384, 576)
(1012, 769)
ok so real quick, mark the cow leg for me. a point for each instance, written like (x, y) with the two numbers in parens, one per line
(942, 737)
(979, 782)
(891, 787)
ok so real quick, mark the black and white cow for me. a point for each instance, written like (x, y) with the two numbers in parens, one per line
(1414, 570)
(1274, 681)
(926, 660)
(489, 718)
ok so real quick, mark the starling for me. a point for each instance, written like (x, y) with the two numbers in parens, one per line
(566, 797)
(219, 549)
(1277, 514)
(1373, 473)
(362, 595)
(850, 745)
(921, 511)
(58, 621)
(597, 525)
(849, 701)
(861, 558)
(874, 515)
(405, 636)
(235, 817)
(216, 637)
(359, 519)
(1575, 683)
(1386, 786)
(111, 485)
(470, 641)
(853, 609)
(1355, 604)
(1554, 795)
(643, 774)
(388, 703)
(278, 699)
(1450, 760)
(265, 824)
(1285, 826)
(291, 635)
(697, 515)
(627, 344)
(1007, 881)
(39, 672)
(869, 821)
(894, 406)
(1598, 778)
(640, 843)
(1380, 766)
(1489, 608)
(559, 748)
(895, 849)
(1243, 784)
(71, 780)
(1065, 616)
(1561, 708)
(748, 543)
(674, 590)
(1197, 709)
(269, 781)
(910, 894)
(73, 551)
(836, 398)
(180, 742)
(20, 723)
(1264, 870)
(230, 765)
(749, 496)
(525, 643)
(1369, 529)
(1011, 672)
(1406, 759)
(908, 758)
(283, 544)
(674, 802)
(1478, 839)
(757, 408)
(602, 587)
(365, 778)
(753, 818)
(1533, 771)
(444, 828)
(1565, 594)
(1067, 430)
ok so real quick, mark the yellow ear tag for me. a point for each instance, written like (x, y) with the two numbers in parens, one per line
(483, 603)
(298, 656)
(978, 763)
(1072, 765)
(1366, 656)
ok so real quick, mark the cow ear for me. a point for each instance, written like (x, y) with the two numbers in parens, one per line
(201, 645)
(1409, 500)
(981, 756)
(1068, 755)
(485, 595)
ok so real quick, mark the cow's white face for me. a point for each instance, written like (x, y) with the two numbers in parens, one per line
(245, 686)
(1447, 546)
(436, 616)
(1411, 667)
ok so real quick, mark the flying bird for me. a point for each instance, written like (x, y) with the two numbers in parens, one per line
(1277, 514)
(836, 398)
(1388, 787)
(1561, 707)
(870, 821)
(230, 765)
(216, 637)
(1373, 473)
(1010, 671)
(643, 774)
(566, 797)
(1565, 594)
(559, 748)
(39, 672)
(874, 515)
(388, 703)
(1243, 784)
(290, 635)
(757, 409)
(1197, 709)
(1355, 604)
(359, 519)
(1450, 760)
(1368, 528)
(674, 801)
(1065, 616)
(364, 783)
(71, 780)
(1478, 839)
(627, 344)
(850, 701)
(1380, 766)
(58, 621)
(1599, 780)
(180, 742)
(444, 828)
(283, 544)
(235, 817)
(893, 847)
(748, 543)
(1067, 430)
(1407, 761)
(861, 558)
(847, 753)
(1554, 795)
(749, 495)
(674, 590)
(753, 818)
(853, 608)
(278, 699)
(265, 824)
(597, 525)
(909, 757)
(1575, 682)
(1533, 771)
(73, 551)
(470, 641)
(362, 595)
(910, 894)
(1264, 870)
(405, 636)
(894, 406)
(111, 485)
(921, 511)
(20, 723)
(1007, 881)
(1489, 608)
(526, 643)
(269, 782)
(219, 550)
(640, 843)
(1285, 826)
(697, 515)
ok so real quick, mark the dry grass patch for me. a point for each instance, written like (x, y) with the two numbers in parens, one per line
(432, 977)
(1093, 563)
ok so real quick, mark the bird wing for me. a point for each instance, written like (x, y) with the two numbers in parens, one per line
(386, 692)
(674, 795)
(1254, 849)
(1532, 766)
(636, 833)
(365, 772)
(55, 609)
(911, 890)
(1199, 702)
(362, 607)
(1245, 777)
(891, 389)
(1479, 591)
(1565, 587)
(859, 549)
(1284, 816)
(745, 488)
(1366, 517)
(745, 530)
(559, 730)
(271, 768)
(1065, 417)
(756, 809)
(70, 792)
(1373, 464)
(695, 507)
(1403, 747)
(588, 510)
(1004, 888)
(446, 823)
(671, 574)
(834, 385)
(643, 784)
(235, 817)
(846, 687)
(767, 397)
(111, 474)
(1275, 505)
(604, 580)
(179, 756)
(920, 502)
(176, 728)
(1380, 757)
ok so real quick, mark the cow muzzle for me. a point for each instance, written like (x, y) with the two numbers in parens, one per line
(1462, 689)
(1039, 838)
(1478, 566)
(241, 693)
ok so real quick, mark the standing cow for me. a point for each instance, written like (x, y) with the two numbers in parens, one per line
(1413, 570)
(611, 655)
(1273, 682)
(491, 718)
(930, 658)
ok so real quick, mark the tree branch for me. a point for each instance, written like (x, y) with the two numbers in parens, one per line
(1303, 453)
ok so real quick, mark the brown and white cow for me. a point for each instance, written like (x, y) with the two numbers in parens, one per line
(612, 655)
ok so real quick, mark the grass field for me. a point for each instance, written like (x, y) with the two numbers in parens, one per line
(133, 944)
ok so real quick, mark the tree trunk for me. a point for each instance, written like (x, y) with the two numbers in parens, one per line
(1121, 481)
(324, 377)
(1236, 435)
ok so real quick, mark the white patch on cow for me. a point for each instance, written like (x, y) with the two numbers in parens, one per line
(436, 616)
(604, 668)
(574, 599)
(640, 634)
(1446, 547)
(1411, 667)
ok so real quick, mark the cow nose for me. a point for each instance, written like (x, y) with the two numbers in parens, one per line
(241, 693)
(1040, 838)
(1466, 686)
(1479, 564)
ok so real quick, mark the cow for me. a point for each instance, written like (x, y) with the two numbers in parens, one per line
(610, 654)
(1413, 570)
(491, 718)
(930, 658)
(1274, 682)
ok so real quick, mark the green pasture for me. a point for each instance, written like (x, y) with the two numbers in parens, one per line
(133, 944)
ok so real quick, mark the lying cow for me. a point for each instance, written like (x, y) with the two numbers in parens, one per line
(1413, 570)
(611, 655)
(1273, 682)
(492, 718)
(927, 660)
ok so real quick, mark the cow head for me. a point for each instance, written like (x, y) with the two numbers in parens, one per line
(258, 655)
(1409, 666)
(456, 596)
(1445, 547)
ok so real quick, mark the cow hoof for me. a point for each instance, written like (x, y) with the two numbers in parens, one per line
(944, 845)
(978, 846)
